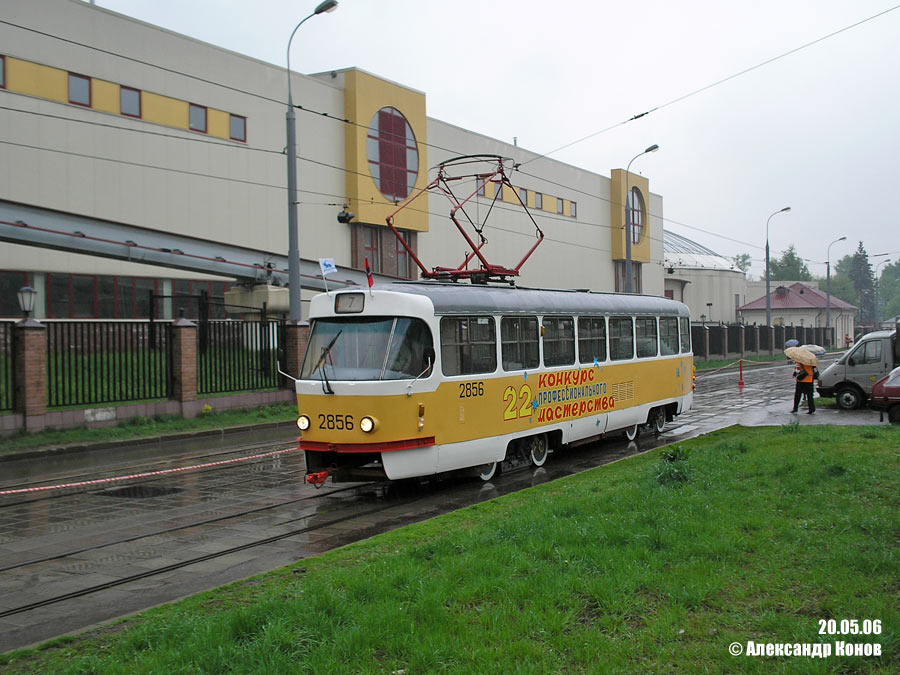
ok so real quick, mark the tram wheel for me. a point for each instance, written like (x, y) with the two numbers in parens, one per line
(488, 471)
(658, 420)
(632, 432)
(536, 449)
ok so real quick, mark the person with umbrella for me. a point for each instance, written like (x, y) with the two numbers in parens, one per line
(805, 373)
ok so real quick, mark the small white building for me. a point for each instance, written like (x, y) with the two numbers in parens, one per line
(705, 281)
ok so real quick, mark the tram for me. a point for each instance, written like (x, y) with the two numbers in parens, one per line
(412, 379)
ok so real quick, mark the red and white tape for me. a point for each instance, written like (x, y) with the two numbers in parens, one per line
(146, 474)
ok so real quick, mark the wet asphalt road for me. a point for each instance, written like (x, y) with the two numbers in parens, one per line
(153, 540)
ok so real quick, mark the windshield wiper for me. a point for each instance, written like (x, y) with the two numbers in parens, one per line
(326, 385)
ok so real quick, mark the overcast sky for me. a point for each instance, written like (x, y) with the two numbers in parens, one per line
(817, 130)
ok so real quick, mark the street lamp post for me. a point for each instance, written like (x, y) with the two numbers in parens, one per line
(828, 287)
(291, 150)
(768, 292)
(652, 148)
(886, 260)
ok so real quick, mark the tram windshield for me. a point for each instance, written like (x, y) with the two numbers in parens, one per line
(370, 348)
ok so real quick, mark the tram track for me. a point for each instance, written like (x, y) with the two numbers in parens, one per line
(148, 466)
(170, 530)
(185, 563)
(54, 489)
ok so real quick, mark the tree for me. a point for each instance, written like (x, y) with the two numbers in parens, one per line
(857, 270)
(742, 262)
(789, 267)
(889, 291)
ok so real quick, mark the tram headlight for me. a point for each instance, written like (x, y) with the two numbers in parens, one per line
(368, 424)
(303, 423)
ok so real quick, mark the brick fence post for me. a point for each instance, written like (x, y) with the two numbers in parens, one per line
(30, 348)
(296, 336)
(184, 360)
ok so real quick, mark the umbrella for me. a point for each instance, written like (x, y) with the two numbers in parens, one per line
(801, 355)
(816, 350)
(792, 343)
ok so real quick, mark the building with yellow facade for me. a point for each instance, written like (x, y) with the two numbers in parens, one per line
(118, 138)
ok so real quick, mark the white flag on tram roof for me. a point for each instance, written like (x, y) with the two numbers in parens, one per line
(327, 266)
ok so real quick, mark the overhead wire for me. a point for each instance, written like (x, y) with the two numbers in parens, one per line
(347, 121)
(721, 81)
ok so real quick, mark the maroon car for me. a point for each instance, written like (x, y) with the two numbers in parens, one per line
(886, 396)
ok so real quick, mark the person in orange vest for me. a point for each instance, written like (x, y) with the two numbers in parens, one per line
(805, 376)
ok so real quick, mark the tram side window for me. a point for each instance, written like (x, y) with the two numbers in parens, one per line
(519, 342)
(685, 334)
(646, 337)
(559, 340)
(591, 339)
(668, 335)
(468, 345)
(621, 338)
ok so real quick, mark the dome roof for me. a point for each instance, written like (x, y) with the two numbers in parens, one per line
(682, 252)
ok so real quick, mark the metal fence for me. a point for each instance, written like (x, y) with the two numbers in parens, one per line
(239, 355)
(107, 362)
(7, 367)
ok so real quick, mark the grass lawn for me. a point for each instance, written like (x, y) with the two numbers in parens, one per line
(149, 427)
(654, 564)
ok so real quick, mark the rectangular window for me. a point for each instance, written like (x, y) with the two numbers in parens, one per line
(129, 102)
(58, 296)
(468, 345)
(519, 342)
(635, 277)
(402, 255)
(371, 248)
(479, 182)
(685, 334)
(559, 205)
(84, 297)
(559, 340)
(106, 297)
(668, 335)
(591, 339)
(125, 298)
(182, 304)
(2, 72)
(523, 195)
(238, 128)
(646, 337)
(538, 200)
(573, 209)
(79, 90)
(144, 289)
(197, 118)
(621, 338)
(498, 192)
(10, 283)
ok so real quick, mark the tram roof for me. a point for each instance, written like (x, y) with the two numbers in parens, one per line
(456, 298)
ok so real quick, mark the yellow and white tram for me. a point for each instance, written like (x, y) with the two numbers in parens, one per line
(419, 378)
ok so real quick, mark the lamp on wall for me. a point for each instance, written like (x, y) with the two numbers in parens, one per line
(26, 296)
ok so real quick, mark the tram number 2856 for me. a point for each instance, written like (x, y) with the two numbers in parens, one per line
(339, 422)
(471, 389)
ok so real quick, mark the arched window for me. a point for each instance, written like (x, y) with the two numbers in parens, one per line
(637, 215)
(392, 153)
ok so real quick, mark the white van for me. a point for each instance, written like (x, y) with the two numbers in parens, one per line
(850, 379)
